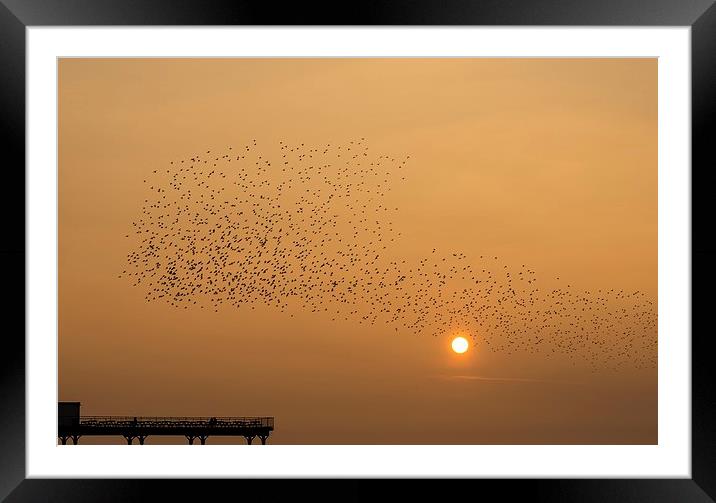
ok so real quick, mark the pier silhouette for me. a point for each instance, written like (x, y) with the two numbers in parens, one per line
(71, 425)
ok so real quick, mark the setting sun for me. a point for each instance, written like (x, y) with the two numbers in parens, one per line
(459, 344)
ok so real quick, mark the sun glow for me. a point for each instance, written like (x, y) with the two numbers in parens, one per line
(460, 345)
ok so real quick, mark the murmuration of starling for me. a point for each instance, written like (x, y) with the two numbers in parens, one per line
(310, 227)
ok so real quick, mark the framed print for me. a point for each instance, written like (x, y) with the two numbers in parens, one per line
(448, 242)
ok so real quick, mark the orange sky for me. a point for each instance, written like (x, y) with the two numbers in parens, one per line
(550, 163)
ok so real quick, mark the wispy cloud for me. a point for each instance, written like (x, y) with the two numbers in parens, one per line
(503, 379)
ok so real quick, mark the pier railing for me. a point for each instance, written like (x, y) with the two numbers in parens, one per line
(177, 422)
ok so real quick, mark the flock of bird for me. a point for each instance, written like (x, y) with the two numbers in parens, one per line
(312, 229)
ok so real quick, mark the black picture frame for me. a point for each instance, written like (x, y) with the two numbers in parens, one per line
(16, 15)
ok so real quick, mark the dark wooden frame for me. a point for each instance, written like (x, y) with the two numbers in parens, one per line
(16, 15)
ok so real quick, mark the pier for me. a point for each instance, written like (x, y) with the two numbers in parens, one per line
(72, 426)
